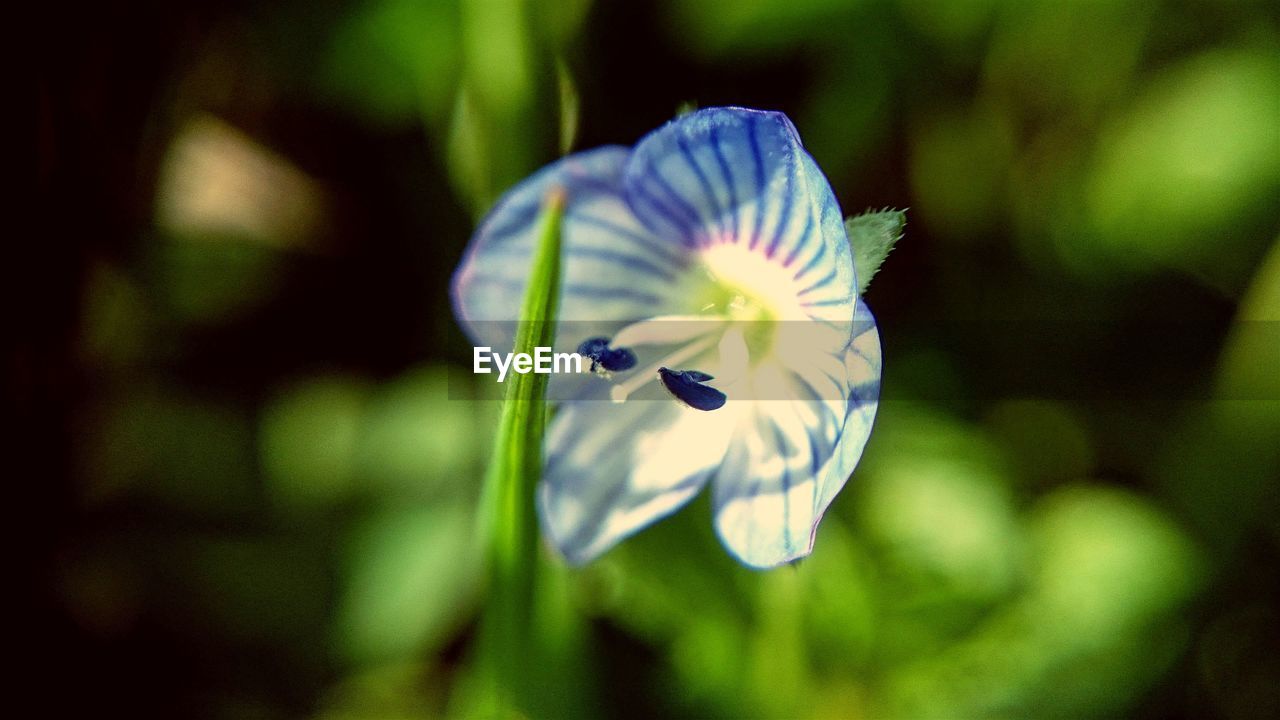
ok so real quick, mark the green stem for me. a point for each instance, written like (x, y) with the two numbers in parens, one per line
(512, 530)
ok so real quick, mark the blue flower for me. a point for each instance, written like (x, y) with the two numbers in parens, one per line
(708, 266)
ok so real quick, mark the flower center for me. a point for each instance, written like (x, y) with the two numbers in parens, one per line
(735, 299)
(749, 285)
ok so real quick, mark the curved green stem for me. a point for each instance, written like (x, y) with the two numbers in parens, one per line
(511, 519)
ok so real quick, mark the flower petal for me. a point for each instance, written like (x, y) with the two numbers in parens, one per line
(733, 175)
(614, 468)
(667, 329)
(822, 260)
(790, 458)
(615, 270)
(862, 367)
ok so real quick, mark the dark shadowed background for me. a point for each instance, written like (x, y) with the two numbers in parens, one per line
(251, 486)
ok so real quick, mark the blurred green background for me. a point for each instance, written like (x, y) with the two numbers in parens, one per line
(254, 480)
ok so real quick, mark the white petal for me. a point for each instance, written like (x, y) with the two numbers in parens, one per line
(615, 271)
(789, 458)
(612, 469)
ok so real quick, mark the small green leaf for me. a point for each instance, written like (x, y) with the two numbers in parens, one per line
(872, 235)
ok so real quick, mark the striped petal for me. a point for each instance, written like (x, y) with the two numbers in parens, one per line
(615, 468)
(739, 176)
(615, 270)
(790, 458)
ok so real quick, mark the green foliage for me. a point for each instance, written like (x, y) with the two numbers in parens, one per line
(960, 168)
(754, 27)
(214, 280)
(308, 441)
(570, 107)
(393, 60)
(1195, 154)
(408, 578)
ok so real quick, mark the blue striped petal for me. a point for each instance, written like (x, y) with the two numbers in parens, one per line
(790, 458)
(823, 264)
(733, 175)
(615, 468)
(615, 270)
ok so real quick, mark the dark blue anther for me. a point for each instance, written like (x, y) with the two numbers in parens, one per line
(618, 360)
(592, 348)
(597, 350)
(687, 387)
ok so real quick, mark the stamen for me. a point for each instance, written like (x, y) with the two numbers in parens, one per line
(667, 330)
(687, 387)
(621, 391)
(618, 360)
(604, 359)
